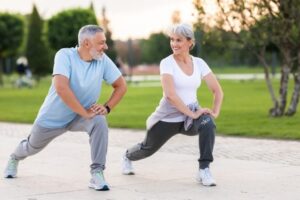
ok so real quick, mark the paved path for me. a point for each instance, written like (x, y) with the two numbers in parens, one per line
(244, 169)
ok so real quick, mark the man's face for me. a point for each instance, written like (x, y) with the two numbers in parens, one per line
(97, 46)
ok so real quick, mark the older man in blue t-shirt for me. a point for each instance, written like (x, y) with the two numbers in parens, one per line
(71, 103)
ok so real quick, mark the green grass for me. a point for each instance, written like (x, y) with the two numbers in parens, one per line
(239, 70)
(244, 112)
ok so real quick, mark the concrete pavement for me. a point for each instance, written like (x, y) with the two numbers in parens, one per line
(243, 168)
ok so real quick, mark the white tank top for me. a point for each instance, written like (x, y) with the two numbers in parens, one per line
(186, 86)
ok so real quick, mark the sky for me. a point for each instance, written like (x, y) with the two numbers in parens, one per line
(128, 18)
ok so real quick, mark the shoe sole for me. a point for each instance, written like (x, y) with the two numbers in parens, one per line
(210, 185)
(206, 185)
(10, 176)
(128, 173)
(104, 188)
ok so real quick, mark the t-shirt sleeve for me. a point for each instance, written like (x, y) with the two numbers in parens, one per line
(204, 68)
(111, 72)
(165, 68)
(62, 64)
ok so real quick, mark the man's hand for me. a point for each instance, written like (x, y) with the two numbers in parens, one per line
(90, 114)
(99, 109)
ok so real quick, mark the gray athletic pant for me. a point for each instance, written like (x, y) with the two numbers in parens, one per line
(161, 132)
(40, 137)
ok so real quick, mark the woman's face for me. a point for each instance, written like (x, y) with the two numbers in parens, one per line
(179, 44)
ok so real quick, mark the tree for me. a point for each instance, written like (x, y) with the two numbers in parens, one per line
(176, 17)
(111, 52)
(11, 34)
(37, 51)
(256, 24)
(155, 48)
(63, 28)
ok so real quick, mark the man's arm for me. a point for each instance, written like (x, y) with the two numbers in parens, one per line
(119, 91)
(61, 84)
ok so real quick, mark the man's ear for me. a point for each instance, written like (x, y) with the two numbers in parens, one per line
(86, 43)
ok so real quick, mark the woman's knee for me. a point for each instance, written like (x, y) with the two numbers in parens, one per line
(206, 122)
(139, 151)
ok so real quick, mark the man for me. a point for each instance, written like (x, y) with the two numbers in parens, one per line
(71, 102)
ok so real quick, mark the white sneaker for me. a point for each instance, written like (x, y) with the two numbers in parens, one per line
(11, 168)
(127, 168)
(98, 182)
(204, 176)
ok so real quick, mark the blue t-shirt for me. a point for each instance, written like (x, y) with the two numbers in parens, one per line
(85, 79)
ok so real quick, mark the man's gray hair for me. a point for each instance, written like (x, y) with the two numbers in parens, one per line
(184, 30)
(87, 32)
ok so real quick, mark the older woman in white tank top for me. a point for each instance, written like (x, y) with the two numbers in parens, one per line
(179, 110)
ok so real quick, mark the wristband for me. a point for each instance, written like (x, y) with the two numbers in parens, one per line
(107, 109)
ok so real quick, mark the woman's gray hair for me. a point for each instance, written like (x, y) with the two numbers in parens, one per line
(87, 32)
(184, 30)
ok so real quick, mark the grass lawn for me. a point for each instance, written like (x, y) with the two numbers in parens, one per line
(244, 112)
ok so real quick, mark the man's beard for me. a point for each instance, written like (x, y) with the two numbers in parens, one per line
(95, 55)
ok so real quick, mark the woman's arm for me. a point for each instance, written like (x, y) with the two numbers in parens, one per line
(169, 91)
(217, 91)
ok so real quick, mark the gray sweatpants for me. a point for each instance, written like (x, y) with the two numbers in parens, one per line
(161, 132)
(40, 137)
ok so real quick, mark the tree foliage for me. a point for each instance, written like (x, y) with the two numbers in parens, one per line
(111, 52)
(63, 28)
(261, 24)
(11, 33)
(37, 51)
(155, 48)
(11, 36)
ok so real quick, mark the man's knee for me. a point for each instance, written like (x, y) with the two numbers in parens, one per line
(99, 122)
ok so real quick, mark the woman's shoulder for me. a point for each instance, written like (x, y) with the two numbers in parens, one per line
(198, 60)
(167, 59)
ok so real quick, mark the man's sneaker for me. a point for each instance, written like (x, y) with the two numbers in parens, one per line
(98, 182)
(204, 176)
(11, 168)
(127, 168)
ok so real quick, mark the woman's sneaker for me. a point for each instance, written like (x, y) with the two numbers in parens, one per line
(127, 168)
(204, 176)
(11, 168)
(98, 182)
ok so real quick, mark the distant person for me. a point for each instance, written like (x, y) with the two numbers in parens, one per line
(71, 105)
(25, 75)
(22, 64)
(178, 110)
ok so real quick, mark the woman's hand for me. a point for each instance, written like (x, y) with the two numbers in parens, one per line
(200, 112)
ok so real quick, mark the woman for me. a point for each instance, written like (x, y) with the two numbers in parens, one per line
(178, 110)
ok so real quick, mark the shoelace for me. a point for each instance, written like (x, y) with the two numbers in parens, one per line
(100, 176)
(207, 174)
(12, 164)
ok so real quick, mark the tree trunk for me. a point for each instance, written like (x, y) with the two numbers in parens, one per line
(295, 96)
(261, 58)
(278, 110)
